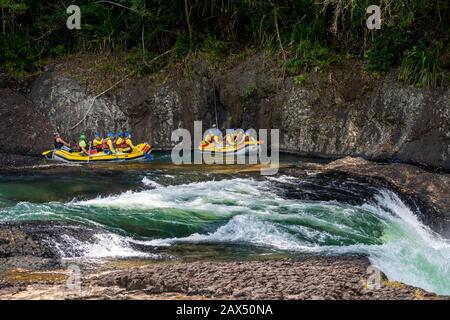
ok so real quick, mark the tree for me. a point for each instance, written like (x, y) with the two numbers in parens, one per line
(10, 9)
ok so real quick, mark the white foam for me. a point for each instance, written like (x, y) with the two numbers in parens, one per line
(102, 245)
(150, 183)
(245, 229)
(222, 197)
(412, 253)
(284, 179)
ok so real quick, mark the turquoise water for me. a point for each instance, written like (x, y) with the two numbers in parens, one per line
(156, 211)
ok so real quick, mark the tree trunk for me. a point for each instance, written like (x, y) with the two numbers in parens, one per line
(3, 21)
(187, 11)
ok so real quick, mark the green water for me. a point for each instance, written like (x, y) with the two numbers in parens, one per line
(158, 210)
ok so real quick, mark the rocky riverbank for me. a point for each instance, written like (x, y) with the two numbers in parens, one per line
(15, 161)
(307, 278)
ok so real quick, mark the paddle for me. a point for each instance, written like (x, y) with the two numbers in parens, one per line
(148, 156)
(89, 152)
(47, 152)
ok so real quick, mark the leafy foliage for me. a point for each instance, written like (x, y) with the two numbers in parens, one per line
(309, 55)
(421, 66)
(303, 34)
(299, 80)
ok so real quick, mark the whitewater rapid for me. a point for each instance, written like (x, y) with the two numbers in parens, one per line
(252, 212)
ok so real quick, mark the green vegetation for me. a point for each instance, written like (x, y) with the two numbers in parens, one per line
(421, 66)
(303, 34)
(405, 174)
(308, 56)
(299, 80)
(249, 90)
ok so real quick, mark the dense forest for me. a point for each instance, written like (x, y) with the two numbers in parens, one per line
(301, 34)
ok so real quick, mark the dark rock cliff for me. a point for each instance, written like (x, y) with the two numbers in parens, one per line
(24, 129)
(340, 112)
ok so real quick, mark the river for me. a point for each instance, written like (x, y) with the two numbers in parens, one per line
(159, 211)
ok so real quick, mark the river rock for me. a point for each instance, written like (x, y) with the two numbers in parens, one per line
(71, 109)
(24, 129)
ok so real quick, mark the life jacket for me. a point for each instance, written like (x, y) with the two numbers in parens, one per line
(97, 144)
(208, 139)
(105, 144)
(124, 144)
(118, 143)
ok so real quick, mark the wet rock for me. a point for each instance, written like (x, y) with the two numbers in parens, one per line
(14, 242)
(64, 102)
(5, 80)
(15, 161)
(24, 129)
(324, 278)
(19, 250)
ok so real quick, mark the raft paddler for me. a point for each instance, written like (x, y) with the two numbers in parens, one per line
(230, 138)
(250, 136)
(82, 145)
(209, 137)
(127, 144)
(119, 141)
(239, 137)
(60, 143)
(108, 144)
(97, 143)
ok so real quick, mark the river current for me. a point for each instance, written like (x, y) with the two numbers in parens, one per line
(162, 211)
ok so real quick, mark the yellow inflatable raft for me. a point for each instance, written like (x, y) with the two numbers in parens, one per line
(244, 147)
(142, 151)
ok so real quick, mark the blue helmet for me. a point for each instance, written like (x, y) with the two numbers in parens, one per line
(127, 134)
(97, 135)
(111, 135)
(120, 134)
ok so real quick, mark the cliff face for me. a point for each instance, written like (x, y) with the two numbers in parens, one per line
(342, 111)
(353, 114)
(23, 130)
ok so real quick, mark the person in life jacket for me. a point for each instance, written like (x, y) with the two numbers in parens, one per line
(127, 144)
(249, 136)
(59, 142)
(108, 145)
(208, 137)
(97, 143)
(118, 142)
(239, 137)
(230, 138)
(82, 145)
(214, 135)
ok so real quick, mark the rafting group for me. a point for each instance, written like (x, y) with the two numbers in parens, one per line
(119, 147)
(111, 148)
(235, 141)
